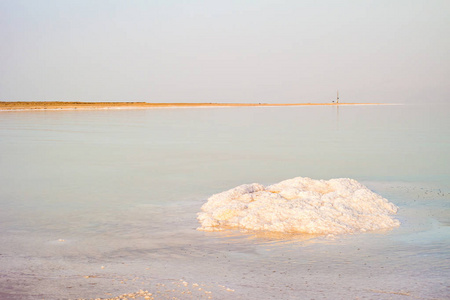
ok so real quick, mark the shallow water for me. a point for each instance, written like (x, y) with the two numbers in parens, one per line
(113, 196)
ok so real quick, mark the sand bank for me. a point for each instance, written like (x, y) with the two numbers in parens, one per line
(59, 105)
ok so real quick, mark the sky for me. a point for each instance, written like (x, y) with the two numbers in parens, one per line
(269, 51)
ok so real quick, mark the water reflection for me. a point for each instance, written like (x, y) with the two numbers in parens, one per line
(262, 237)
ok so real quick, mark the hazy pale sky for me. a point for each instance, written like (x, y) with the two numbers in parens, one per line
(225, 51)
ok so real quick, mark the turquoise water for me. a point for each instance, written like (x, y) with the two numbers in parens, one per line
(112, 195)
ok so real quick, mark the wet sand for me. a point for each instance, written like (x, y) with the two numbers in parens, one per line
(57, 105)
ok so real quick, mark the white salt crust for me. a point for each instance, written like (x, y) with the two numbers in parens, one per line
(299, 205)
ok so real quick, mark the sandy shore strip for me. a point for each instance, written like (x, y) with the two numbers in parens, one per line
(60, 105)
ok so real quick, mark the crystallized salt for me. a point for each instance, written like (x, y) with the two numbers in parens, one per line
(299, 205)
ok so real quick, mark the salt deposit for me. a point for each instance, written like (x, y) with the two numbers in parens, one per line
(299, 205)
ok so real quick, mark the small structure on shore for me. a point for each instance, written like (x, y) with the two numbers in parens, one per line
(337, 98)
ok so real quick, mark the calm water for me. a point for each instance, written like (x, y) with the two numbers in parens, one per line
(98, 202)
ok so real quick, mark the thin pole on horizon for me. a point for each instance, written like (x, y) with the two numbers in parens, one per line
(337, 98)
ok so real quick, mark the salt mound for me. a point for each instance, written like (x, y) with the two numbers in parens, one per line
(299, 205)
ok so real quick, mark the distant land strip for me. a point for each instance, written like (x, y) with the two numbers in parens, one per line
(55, 105)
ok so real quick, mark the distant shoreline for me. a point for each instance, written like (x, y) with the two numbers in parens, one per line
(60, 105)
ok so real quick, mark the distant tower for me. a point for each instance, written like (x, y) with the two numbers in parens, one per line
(337, 98)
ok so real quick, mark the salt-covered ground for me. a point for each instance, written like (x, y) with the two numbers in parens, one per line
(299, 205)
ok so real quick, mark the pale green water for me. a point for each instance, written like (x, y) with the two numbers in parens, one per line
(122, 188)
